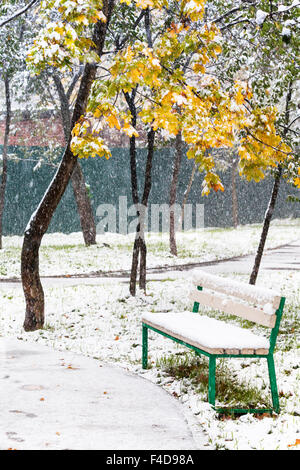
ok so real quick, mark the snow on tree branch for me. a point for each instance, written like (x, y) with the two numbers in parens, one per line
(18, 13)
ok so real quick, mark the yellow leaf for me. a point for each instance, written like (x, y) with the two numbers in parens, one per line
(112, 121)
(134, 74)
(239, 97)
(218, 49)
(218, 187)
(130, 130)
(199, 68)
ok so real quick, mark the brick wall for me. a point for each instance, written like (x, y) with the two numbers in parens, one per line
(49, 131)
(31, 133)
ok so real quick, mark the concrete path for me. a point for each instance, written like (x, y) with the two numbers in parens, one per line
(286, 257)
(283, 258)
(59, 400)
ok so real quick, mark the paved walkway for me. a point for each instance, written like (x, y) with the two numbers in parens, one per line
(284, 258)
(59, 400)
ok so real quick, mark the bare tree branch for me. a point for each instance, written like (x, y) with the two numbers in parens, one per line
(18, 13)
(228, 13)
(237, 20)
(293, 121)
(73, 82)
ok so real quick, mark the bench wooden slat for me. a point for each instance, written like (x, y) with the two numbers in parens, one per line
(238, 289)
(184, 339)
(234, 308)
(247, 351)
(261, 351)
(232, 351)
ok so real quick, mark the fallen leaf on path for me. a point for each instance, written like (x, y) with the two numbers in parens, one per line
(297, 442)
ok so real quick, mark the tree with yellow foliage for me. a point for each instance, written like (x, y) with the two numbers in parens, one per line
(261, 45)
(180, 100)
(170, 98)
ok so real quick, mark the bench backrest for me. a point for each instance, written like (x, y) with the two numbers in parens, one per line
(259, 305)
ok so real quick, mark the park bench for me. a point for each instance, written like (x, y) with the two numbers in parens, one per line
(220, 339)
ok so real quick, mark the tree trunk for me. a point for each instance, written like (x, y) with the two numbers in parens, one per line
(173, 190)
(139, 247)
(84, 207)
(130, 99)
(266, 225)
(40, 220)
(147, 189)
(134, 266)
(4, 154)
(187, 192)
(143, 265)
(235, 217)
(272, 202)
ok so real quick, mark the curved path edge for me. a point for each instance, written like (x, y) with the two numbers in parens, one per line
(60, 400)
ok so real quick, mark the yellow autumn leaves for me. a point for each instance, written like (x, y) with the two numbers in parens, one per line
(174, 90)
(297, 179)
(66, 40)
(194, 104)
(262, 147)
(86, 135)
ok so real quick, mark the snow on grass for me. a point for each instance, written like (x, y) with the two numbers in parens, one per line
(66, 254)
(104, 322)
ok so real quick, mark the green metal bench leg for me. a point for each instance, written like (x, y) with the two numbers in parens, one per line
(212, 381)
(145, 348)
(273, 383)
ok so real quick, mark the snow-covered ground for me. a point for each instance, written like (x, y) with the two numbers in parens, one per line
(103, 321)
(66, 254)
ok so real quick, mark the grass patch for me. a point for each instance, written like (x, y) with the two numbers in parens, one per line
(48, 327)
(62, 247)
(229, 390)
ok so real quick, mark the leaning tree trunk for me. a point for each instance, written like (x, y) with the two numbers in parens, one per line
(173, 190)
(266, 225)
(84, 206)
(38, 225)
(4, 154)
(271, 207)
(145, 199)
(135, 196)
(140, 232)
(130, 99)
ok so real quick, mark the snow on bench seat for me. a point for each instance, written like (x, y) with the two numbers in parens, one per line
(210, 335)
